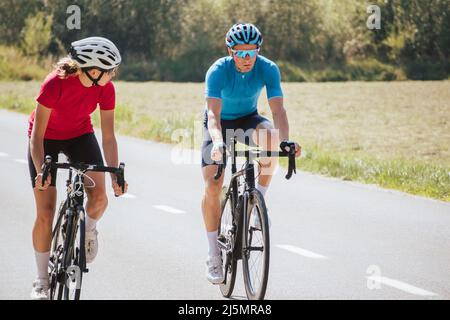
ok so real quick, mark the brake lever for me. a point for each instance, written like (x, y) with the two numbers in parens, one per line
(221, 166)
(46, 166)
(120, 174)
(291, 155)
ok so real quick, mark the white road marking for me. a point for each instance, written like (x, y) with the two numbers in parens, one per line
(2, 154)
(128, 196)
(169, 209)
(401, 286)
(302, 252)
(23, 161)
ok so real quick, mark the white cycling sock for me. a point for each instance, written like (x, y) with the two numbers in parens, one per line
(213, 246)
(262, 189)
(90, 223)
(42, 264)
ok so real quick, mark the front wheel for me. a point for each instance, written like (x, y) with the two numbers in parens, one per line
(56, 274)
(255, 246)
(71, 258)
(226, 237)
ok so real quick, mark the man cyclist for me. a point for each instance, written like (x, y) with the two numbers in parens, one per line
(233, 85)
(61, 122)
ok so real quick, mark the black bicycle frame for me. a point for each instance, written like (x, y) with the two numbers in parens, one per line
(249, 172)
(75, 212)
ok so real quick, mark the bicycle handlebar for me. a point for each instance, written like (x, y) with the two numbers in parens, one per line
(291, 154)
(221, 166)
(283, 153)
(119, 172)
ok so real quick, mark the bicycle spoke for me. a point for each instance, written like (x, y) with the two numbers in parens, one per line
(256, 259)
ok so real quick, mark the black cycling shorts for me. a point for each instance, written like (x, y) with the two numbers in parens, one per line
(241, 128)
(84, 148)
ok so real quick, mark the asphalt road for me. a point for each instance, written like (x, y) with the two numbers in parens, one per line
(330, 239)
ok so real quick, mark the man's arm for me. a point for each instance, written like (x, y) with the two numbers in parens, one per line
(280, 119)
(215, 129)
(281, 122)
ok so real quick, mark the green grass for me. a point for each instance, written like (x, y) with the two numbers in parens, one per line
(358, 70)
(414, 177)
(17, 103)
(404, 147)
(129, 122)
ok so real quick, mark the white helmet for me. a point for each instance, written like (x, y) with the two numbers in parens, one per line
(95, 52)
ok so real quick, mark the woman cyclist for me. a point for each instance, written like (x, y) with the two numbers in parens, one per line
(61, 122)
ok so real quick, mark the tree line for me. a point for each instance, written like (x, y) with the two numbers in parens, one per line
(177, 40)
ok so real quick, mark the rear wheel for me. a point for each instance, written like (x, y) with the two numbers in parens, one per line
(256, 247)
(226, 236)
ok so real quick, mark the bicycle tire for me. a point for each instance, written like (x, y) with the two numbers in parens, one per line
(228, 259)
(71, 258)
(255, 291)
(55, 263)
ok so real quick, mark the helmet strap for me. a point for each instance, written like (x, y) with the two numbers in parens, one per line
(94, 81)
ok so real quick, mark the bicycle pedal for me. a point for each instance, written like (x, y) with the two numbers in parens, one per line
(86, 270)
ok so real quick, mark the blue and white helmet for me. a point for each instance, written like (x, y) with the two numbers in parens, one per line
(243, 33)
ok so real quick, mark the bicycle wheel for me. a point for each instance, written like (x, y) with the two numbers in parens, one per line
(255, 247)
(227, 234)
(71, 256)
(56, 277)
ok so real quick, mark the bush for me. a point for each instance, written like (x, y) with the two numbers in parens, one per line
(138, 69)
(15, 66)
(421, 70)
(370, 70)
(291, 72)
(330, 74)
(37, 34)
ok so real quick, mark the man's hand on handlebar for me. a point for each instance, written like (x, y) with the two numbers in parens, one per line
(217, 151)
(284, 145)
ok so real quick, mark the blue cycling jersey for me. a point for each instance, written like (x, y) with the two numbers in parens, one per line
(240, 91)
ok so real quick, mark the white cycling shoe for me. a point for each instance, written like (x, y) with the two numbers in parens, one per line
(214, 270)
(40, 290)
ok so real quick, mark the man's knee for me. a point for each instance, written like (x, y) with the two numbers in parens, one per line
(98, 200)
(213, 188)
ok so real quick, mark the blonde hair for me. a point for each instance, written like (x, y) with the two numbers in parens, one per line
(67, 67)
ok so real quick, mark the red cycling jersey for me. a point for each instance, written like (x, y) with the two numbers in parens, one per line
(72, 105)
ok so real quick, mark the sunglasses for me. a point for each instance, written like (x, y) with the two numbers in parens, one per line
(244, 53)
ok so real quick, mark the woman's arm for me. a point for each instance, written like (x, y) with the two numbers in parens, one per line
(109, 144)
(41, 118)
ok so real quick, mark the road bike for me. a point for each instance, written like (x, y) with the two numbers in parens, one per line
(67, 261)
(243, 232)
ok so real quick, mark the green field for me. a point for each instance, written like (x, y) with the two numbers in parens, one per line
(394, 134)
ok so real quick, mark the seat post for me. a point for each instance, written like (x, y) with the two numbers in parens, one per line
(233, 155)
